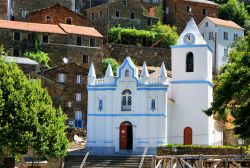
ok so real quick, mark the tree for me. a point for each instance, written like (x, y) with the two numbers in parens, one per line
(235, 11)
(232, 93)
(159, 12)
(28, 119)
(112, 61)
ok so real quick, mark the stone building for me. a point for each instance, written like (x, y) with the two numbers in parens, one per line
(56, 14)
(4, 9)
(66, 85)
(22, 8)
(178, 11)
(120, 13)
(76, 43)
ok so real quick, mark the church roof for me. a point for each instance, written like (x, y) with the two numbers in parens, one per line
(193, 29)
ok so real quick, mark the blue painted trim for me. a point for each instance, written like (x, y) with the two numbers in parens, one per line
(122, 115)
(193, 82)
(100, 89)
(192, 46)
(152, 89)
(108, 141)
(91, 141)
(145, 142)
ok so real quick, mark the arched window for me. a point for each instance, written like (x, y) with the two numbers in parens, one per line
(190, 62)
(100, 106)
(127, 73)
(126, 101)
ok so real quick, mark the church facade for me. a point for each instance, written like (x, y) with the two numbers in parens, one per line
(132, 111)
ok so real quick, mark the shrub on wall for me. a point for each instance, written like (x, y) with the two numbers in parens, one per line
(159, 36)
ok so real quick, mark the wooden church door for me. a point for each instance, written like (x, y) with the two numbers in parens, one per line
(188, 136)
(126, 136)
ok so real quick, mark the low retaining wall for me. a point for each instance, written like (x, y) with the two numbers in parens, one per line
(139, 54)
(197, 151)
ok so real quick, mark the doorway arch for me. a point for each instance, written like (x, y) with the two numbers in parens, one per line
(188, 136)
(126, 136)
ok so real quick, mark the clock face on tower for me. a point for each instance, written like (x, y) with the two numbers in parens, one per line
(189, 38)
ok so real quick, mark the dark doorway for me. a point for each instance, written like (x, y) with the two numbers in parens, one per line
(126, 136)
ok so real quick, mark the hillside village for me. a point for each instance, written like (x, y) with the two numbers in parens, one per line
(131, 83)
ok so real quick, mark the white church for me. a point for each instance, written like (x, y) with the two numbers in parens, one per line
(129, 112)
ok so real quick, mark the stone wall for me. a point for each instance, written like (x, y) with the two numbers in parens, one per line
(58, 14)
(178, 15)
(4, 9)
(229, 138)
(152, 56)
(197, 151)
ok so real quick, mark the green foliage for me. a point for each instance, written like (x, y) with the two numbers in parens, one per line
(39, 56)
(163, 35)
(235, 11)
(232, 93)
(159, 12)
(112, 61)
(28, 119)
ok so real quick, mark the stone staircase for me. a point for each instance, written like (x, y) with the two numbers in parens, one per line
(107, 161)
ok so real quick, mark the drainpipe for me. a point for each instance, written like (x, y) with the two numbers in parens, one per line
(9, 6)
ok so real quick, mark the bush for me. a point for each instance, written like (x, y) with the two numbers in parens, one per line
(113, 62)
(39, 56)
(160, 35)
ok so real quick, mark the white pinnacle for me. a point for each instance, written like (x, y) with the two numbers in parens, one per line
(144, 71)
(92, 71)
(163, 71)
(109, 71)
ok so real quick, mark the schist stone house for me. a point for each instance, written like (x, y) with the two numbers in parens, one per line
(131, 111)
(120, 13)
(56, 14)
(178, 11)
(220, 35)
(77, 43)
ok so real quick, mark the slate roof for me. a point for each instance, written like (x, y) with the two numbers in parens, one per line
(21, 60)
(203, 1)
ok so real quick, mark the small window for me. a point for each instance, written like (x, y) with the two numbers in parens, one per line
(100, 105)
(132, 16)
(78, 119)
(78, 97)
(93, 16)
(92, 42)
(125, 2)
(17, 36)
(236, 36)
(210, 35)
(24, 13)
(68, 20)
(189, 9)
(167, 10)
(206, 24)
(79, 40)
(85, 59)
(205, 12)
(225, 35)
(149, 22)
(127, 73)
(190, 62)
(16, 52)
(117, 13)
(153, 104)
(61, 78)
(48, 19)
(225, 52)
(79, 79)
(100, 14)
(45, 38)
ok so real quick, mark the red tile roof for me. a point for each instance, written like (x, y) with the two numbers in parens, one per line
(32, 27)
(80, 30)
(226, 23)
(50, 28)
